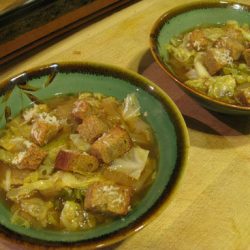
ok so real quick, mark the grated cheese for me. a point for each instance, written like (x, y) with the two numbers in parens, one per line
(197, 45)
(19, 157)
(27, 143)
(113, 194)
(223, 56)
(32, 113)
(48, 118)
(29, 114)
(79, 106)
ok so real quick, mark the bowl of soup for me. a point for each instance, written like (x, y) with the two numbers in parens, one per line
(89, 154)
(205, 48)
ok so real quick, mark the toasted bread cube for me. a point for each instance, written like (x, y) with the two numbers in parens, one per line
(109, 199)
(75, 161)
(31, 158)
(197, 40)
(81, 109)
(246, 55)
(111, 145)
(44, 129)
(243, 96)
(91, 128)
(234, 46)
(215, 59)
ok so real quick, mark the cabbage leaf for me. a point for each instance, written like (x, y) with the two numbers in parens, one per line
(70, 216)
(241, 72)
(73, 217)
(198, 84)
(34, 212)
(181, 54)
(131, 107)
(221, 87)
(199, 67)
(132, 163)
(79, 142)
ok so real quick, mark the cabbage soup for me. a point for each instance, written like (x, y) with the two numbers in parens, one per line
(215, 61)
(75, 162)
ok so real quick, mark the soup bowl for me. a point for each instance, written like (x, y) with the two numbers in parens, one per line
(169, 128)
(183, 19)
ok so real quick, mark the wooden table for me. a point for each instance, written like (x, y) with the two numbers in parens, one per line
(211, 208)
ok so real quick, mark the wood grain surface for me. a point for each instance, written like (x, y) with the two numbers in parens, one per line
(211, 208)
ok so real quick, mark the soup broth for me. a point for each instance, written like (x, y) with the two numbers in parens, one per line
(75, 162)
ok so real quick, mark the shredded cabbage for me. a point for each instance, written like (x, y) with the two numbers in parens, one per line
(53, 147)
(6, 183)
(52, 185)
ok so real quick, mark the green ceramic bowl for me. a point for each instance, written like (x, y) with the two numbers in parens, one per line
(164, 117)
(184, 18)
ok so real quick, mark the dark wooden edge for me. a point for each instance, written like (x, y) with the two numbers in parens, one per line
(61, 26)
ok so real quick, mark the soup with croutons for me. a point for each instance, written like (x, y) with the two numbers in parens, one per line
(75, 162)
(215, 61)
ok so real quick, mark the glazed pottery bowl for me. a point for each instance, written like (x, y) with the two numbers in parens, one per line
(167, 122)
(185, 18)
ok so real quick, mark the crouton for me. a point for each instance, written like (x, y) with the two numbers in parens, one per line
(215, 59)
(109, 199)
(44, 129)
(31, 158)
(246, 55)
(91, 128)
(111, 145)
(197, 40)
(243, 96)
(81, 109)
(75, 161)
(235, 47)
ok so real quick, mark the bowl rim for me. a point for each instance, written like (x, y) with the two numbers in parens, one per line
(168, 15)
(165, 198)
